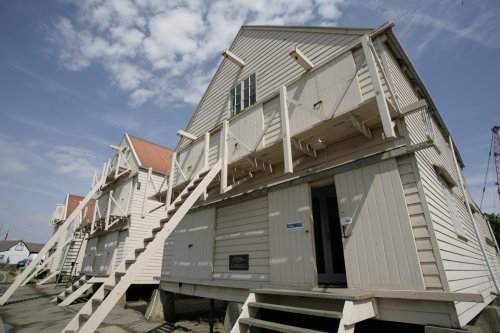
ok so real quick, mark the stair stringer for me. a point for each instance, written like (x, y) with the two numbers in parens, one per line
(95, 314)
(245, 313)
(354, 312)
(79, 292)
(47, 278)
(53, 240)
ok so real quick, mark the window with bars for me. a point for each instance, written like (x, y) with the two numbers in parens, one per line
(243, 95)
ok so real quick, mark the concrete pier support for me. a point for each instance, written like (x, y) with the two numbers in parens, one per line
(161, 307)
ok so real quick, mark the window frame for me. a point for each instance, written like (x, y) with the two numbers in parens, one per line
(447, 189)
(240, 95)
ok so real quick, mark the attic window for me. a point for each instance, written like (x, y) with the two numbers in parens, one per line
(243, 95)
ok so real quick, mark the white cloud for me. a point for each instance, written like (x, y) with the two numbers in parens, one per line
(74, 161)
(153, 49)
(15, 157)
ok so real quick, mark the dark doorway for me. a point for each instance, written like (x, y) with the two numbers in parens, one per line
(328, 235)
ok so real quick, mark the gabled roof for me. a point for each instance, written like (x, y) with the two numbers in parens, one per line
(269, 32)
(5, 245)
(73, 201)
(34, 247)
(151, 155)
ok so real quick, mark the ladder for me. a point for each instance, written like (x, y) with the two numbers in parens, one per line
(104, 299)
(53, 240)
(298, 311)
(68, 264)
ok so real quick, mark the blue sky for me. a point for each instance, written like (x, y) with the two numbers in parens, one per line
(74, 75)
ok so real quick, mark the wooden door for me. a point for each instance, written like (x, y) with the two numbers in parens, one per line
(380, 251)
(290, 231)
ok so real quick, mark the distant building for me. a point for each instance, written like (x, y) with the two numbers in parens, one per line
(13, 251)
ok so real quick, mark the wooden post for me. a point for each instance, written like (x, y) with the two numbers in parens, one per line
(383, 109)
(205, 159)
(223, 156)
(150, 171)
(206, 150)
(170, 185)
(285, 128)
(211, 315)
(108, 210)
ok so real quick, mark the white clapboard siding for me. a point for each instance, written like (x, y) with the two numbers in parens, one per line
(192, 246)
(140, 226)
(364, 79)
(426, 256)
(213, 151)
(404, 89)
(272, 122)
(292, 251)
(244, 131)
(464, 265)
(381, 251)
(120, 248)
(89, 255)
(275, 69)
(242, 228)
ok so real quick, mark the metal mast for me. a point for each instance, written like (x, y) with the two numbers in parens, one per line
(496, 155)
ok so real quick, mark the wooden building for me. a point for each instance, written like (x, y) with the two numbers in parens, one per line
(315, 178)
(341, 193)
(125, 212)
(63, 260)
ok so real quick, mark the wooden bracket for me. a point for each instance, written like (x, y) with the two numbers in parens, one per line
(260, 165)
(360, 126)
(304, 148)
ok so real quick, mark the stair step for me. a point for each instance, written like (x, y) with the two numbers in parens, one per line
(292, 309)
(204, 173)
(60, 298)
(130, 261)
(96, 303)
(157, 229)
(137, 251)
(185, 195)
(276, 326)
(343, 294)
(149, 239)
(108, 287)
(84, 317)
(119, 274)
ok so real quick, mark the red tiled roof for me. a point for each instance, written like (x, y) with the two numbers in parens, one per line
(152, 155)
(74, 201)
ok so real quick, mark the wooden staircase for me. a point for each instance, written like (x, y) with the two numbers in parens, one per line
(77, 289)
(104, 299)
(297, 311)
(53, 240)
